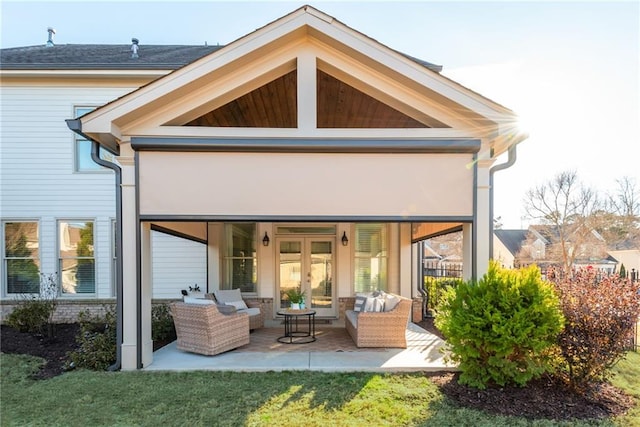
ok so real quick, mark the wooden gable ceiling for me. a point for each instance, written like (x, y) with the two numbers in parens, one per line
(274, 105)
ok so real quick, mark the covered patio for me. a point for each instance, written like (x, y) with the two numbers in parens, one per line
(333, 351)
(303, 155)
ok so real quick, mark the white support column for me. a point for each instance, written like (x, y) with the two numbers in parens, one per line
(467, 251)
(214, 230)
(483, 221)
(406, 264)
(129, 258)
(307, 92)
(147, 293)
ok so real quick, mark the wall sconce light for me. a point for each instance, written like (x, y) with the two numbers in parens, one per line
(345, 239)
(265, 239)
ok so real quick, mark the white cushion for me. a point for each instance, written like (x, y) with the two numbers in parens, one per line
(253, 311)
(226, 296)
(239, 305)
(200, 301)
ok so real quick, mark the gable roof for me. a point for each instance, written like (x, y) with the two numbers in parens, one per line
(306, 40)
(512, 239)
(101, 57)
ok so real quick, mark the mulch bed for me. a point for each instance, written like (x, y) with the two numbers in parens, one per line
(543, 398)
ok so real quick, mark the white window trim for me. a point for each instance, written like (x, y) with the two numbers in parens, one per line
(5, 284)
(58, 259)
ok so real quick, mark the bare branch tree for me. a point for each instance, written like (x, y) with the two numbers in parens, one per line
(568, 208)
(626, 200)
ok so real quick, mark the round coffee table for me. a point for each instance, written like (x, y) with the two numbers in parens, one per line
(292, 333)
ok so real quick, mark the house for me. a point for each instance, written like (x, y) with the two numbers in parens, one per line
(304, 154)
(58, 207)
(630, 258)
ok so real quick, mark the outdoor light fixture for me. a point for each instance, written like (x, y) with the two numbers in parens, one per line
(265, 239)
(345, 239)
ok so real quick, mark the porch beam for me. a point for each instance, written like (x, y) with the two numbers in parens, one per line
(307, 145)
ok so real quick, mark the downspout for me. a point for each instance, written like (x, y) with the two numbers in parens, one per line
(510, 161)
(76, 126)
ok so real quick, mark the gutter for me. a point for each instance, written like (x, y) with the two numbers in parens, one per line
(76, 126)
(510, 161)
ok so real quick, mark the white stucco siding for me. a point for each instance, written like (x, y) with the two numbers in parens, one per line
(177, 264)
(318, 184)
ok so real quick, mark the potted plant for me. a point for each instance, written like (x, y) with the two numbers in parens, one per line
(295, 297)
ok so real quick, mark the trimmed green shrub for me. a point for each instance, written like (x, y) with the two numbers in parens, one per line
(96, 340)
(162, 326)
(500, 328)
(34, 313)
(436, 288)
(600, 319)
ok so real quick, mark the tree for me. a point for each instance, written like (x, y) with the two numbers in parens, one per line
(569, 208)
(622, 229)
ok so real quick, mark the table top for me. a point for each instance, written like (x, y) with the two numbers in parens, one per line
(290, 312)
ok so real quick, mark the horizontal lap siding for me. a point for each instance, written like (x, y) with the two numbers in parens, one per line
(177, 264)
(37, 178)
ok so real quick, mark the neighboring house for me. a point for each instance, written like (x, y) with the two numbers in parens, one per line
(304, 154)
(630, 258)
(506, 246)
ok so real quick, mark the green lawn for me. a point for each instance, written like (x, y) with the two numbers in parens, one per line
(237, 399)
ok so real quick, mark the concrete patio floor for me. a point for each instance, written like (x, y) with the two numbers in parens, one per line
(422, 354)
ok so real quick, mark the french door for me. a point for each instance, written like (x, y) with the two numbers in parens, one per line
(307, 263)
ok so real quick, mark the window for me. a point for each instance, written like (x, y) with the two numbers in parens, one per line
(77, 262)
(240, 266)
(21, 257)
(370, 259)
(83, 161)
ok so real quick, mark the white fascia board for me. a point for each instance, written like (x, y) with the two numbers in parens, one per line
(295, 133)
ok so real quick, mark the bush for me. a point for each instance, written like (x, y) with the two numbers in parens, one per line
(436, 288)
(600, 319)
(96, 340)
(34, 313)
(500, 328)
(162, 327)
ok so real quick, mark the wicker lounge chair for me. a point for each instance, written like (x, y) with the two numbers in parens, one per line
(253, 309)
(380, 329)
(203, 329)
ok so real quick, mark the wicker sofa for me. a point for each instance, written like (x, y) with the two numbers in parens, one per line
(380, 329)
(202, 328)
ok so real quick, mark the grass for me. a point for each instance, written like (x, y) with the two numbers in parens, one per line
(252, 399)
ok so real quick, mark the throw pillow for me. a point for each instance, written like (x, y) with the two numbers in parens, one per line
(239, 305)
(226, 309)
(360, 302)
(390, 302)
(375, 304)
(224, 297)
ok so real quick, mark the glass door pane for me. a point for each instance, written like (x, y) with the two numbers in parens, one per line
(290, 272)
(320, 275)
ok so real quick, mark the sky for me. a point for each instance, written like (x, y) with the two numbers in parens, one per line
(569, 69)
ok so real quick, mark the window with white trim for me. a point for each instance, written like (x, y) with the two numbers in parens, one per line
(240, 264)
(77, 264)
(82, 146)
(21, 257)
(370, 257)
